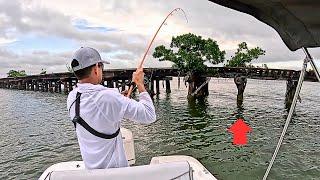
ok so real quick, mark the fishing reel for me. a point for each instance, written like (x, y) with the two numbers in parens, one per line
(146, 80)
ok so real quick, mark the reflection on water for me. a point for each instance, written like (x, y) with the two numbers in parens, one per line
(197, 107)
(36, 131)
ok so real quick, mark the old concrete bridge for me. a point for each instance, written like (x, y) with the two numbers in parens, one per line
(65, 82)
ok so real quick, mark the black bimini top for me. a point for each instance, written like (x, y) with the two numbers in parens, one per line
(296, 21)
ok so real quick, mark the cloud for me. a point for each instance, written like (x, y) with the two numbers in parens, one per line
(33, 62)
(121, 31)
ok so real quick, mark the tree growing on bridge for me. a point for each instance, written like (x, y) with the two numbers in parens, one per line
(189, 52)
(244, 55)
(14, 73)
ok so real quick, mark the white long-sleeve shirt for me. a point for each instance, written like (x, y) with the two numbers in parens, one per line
(103, 109)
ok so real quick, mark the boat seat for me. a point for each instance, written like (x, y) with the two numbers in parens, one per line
(173, 170)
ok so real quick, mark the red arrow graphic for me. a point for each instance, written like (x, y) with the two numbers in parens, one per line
(240, 130)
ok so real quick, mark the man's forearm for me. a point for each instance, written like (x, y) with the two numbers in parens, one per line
(141, 88)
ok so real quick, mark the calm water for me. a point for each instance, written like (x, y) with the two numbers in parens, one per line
(36, 131)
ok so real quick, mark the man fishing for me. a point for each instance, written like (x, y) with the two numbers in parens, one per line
(97, 111)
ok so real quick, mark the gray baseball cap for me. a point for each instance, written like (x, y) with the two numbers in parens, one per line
(86, 56)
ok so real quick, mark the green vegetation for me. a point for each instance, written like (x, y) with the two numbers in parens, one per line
(188, 52)
(244, 55)
(14, 73)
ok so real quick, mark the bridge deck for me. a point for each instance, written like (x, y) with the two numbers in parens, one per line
(223, 72)
(119, 78)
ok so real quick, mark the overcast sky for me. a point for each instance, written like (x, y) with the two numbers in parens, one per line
(43, 34)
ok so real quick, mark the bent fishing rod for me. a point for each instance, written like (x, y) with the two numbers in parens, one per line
(151, 42)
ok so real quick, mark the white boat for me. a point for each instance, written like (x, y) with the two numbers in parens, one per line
(160, 168)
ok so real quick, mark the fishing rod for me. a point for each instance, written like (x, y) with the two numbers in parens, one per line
(151, 42)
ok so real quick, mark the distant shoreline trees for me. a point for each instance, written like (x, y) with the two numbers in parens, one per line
(15, 73)
(22, 73)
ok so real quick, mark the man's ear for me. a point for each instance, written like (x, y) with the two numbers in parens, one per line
(95, 69)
